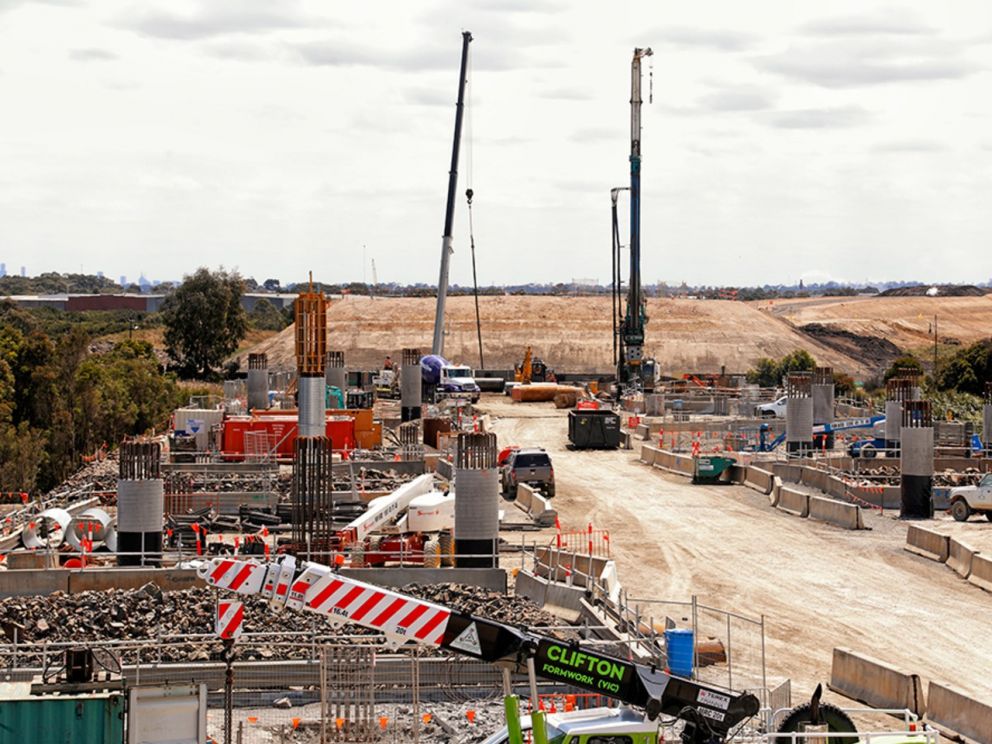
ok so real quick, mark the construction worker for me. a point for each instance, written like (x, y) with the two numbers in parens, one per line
(388, 364)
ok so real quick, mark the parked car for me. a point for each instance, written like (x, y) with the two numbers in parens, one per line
(529, 465)
(775, 409)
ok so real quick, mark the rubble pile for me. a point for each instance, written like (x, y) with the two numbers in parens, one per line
(149, 613)
(101, 475)
(888, 475)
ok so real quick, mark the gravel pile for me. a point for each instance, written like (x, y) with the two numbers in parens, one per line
(147, 613)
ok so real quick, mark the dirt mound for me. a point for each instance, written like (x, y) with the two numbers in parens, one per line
(873, 350)
(906, 322)
(936, 290)
(571, 334)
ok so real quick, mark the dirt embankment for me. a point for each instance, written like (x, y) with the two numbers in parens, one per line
(569, 333)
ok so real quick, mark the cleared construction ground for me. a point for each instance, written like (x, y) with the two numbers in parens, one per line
(818, 586)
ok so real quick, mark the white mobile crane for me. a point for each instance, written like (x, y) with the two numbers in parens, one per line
(708, 714)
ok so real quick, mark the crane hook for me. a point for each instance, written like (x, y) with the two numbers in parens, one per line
(468, 194)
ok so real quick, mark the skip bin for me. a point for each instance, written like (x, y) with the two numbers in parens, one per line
(588, 429)
(712, 469)
(94, 718)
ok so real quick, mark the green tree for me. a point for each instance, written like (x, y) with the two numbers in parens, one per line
(906, 364)
(968, 370)
(267, 317)
(765, 373)
(204, 321)
(769, 373)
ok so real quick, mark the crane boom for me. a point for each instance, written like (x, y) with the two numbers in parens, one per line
(437, 346)
(314, 587)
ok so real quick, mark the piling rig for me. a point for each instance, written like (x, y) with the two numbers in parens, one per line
(633, 371)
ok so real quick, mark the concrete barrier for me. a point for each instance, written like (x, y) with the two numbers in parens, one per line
(837, 513)
(28, 581)
(683, 465)
(792, 501)
(960, 557)
(776, 488)
(648, 454)
(981, 571)
(101, 579)
(760, 480)
(665, 460)
(928, 543)
(535, 506)
(949, 708)
(875, 683)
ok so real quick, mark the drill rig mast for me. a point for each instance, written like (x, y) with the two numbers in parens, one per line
(631, 330)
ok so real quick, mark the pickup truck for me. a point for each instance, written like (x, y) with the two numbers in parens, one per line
(775, 409)
(530, 465)
(968, 500)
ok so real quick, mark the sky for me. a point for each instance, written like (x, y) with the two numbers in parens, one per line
(786, 140)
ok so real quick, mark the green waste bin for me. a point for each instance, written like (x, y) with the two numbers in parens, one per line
(712, 469)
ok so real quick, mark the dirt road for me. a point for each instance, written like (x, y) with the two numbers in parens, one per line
(818, 586)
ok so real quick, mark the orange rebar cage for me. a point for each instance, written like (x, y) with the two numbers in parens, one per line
(311, 333)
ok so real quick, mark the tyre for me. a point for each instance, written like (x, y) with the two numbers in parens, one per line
(447, 542)
(837, 722)
(868, 451)
(960, 510)
(549, 490)
(432, 553)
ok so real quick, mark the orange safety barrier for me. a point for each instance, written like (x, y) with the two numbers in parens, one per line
(589, 541)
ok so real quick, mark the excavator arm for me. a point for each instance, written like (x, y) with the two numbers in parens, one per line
(314, 587)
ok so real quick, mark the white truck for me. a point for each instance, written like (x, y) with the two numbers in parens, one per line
(968, 500)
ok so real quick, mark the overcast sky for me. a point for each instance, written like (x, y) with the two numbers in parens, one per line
(787, 139)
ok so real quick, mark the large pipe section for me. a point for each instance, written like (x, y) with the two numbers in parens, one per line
(476, 501)
(916, 460)
(140, 504)
(258, 382)
(798, 414)
(410, 385)
(823, 401)
(336, 375)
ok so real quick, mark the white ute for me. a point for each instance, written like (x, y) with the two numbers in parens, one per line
(968, 500)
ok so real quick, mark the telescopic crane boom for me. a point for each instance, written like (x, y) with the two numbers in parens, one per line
(710, 712)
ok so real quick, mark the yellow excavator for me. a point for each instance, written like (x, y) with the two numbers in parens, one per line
(533, 369)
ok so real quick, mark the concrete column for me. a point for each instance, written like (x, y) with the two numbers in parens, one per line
(823, 400)
(799, 414)
(410, 385)
(312, 421)
(258, 382)
(140, 504)
(335, 373)
(476, 501)
(916, 461)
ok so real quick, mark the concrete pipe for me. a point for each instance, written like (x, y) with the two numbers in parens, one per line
(94, 523)
(47, 530)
